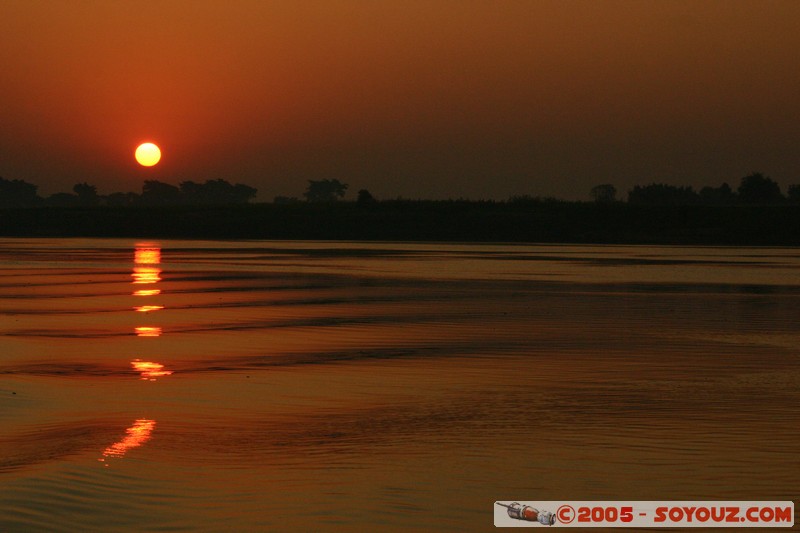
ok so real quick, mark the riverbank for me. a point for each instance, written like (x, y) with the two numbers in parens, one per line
(567, 222)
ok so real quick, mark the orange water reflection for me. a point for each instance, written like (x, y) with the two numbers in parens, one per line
(141, 430)
(148, 308)
(146, 275)
(150, 370)
(147, 254)
(150, 255)
(135, 436)
(147, 292)
(148, 331)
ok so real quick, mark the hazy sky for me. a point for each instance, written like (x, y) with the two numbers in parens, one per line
(428, 98)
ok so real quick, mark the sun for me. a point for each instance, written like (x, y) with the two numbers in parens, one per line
(148, 154)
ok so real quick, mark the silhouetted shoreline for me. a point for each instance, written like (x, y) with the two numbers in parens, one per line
(400, 220)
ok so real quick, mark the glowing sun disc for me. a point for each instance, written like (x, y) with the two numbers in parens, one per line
(148, 154)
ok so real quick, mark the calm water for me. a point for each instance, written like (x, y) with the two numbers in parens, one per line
(208, 385)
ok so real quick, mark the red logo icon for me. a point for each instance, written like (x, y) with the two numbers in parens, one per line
(565, 514)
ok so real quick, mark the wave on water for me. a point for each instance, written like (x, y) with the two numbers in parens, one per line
(73, 369)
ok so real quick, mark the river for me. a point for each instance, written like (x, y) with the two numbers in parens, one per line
(335, 386)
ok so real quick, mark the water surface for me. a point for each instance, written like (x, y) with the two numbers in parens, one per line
(204, 385)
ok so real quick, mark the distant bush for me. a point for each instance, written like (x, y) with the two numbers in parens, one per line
(216, 191)
(718, 195)
(285, 200)
(662, 194)
(325, 190)
(527, 199)
(603, 194)
(365, 197)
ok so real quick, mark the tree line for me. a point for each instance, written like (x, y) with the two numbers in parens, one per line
(754, 189)
(19, 193)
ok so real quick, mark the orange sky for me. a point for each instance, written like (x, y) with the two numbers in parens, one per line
(425, 98)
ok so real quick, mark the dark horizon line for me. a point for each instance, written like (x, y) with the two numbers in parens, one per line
(423, 221)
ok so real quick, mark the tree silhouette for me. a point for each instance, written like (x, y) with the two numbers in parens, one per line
(718, 195)
(324, 190)
(662, 194)
(794, 193)
(759, 189)
(192, 192)
(243, 193)
(159, 193)
(365, 197)
(87, 194)
(216, 191)
(119, 199)
(604, 193)
(18, 193)
(63, 199)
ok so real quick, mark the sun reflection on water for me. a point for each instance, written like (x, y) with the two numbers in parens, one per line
(148, 331)
(147, 292)
(142, 429)
(150, 370)
(148, 308)
(147, 254)
(136, 435)
(146, 275)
